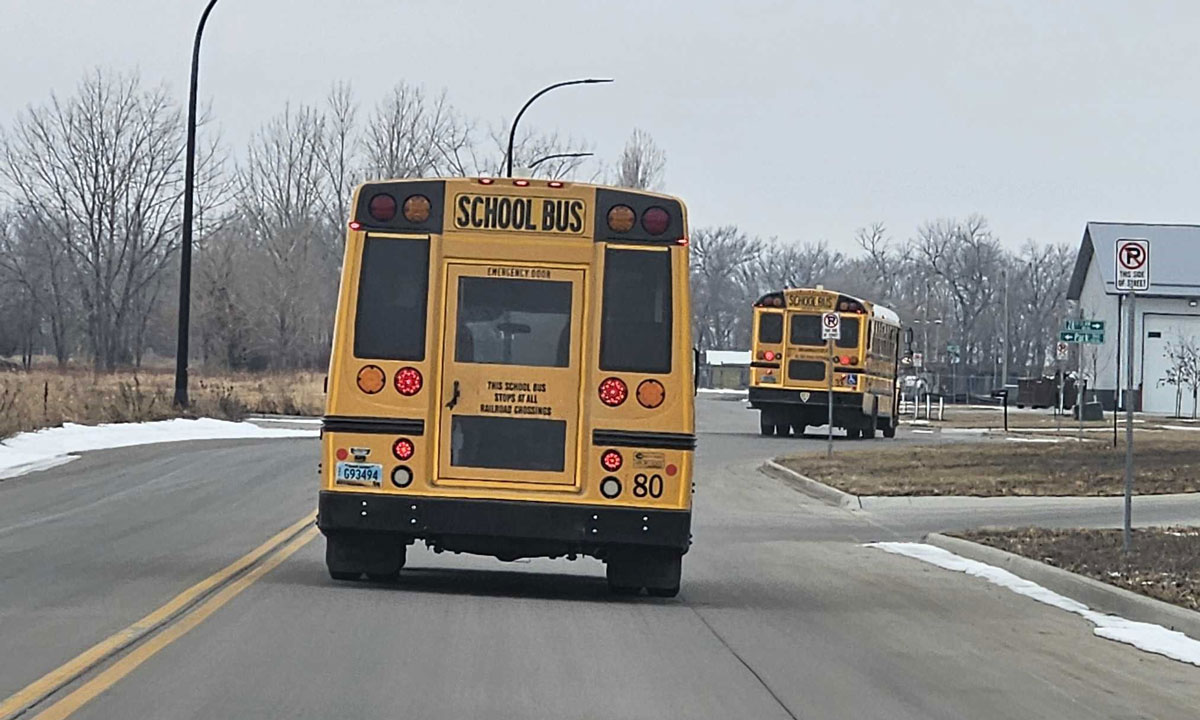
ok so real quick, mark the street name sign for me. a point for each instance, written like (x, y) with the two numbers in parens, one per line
(1081, 336)
(1097, 325)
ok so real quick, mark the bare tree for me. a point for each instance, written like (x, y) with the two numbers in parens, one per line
(965, 258)
(103, 171)
(788, 265)
(413, 135)
(722, 286)
(642, 164)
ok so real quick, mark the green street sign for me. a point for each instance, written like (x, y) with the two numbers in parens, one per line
(1084, 325)
(952, 349)
(1081, 336)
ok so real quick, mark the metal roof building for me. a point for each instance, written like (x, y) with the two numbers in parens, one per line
(1167, 316)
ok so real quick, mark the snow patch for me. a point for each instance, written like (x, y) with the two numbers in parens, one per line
(722, 391)
(1180, 427)
(1145, 636)
(32, 451)
(1034, 440)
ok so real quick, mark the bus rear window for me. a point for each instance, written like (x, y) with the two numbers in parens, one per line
(849, 336)
(393, 286)
(635, 324)
(806, 330)
(770, 328)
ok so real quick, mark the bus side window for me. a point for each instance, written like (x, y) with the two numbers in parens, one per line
(635, 321)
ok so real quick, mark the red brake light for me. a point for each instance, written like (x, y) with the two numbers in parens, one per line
(555, 183)
(681, 241)
(613, 391)
(611, 460)
(403, 449)
(408, 381)
(521, 183)
(355, 225)
(382, 207)
(486, 181)
(769, 355)
(655, 220)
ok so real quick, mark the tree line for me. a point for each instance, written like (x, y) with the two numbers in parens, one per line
(92, 189)
(947, 281)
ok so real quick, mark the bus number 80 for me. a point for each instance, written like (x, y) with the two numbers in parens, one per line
(643, 486)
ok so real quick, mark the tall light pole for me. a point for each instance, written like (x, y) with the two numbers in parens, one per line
(512, 133)
(1004, 371)
(185, 249)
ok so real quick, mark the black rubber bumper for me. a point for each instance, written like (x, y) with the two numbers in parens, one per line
(760, 397)
(583, 526)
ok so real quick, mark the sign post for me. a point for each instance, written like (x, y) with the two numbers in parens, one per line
(831, 332)
(1133, 276)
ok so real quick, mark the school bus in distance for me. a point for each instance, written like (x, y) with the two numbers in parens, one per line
(511, 375)
(791, 365)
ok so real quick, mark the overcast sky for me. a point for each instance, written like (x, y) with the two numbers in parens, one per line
(802, 120)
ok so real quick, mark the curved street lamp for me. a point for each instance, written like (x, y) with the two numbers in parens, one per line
(556, 156)
(185, 254)
(512, 133)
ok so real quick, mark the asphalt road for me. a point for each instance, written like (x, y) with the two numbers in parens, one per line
(783, 613)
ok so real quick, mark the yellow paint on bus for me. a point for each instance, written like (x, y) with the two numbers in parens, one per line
(511, 375)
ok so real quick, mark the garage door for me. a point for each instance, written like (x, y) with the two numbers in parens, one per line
(1162, 333)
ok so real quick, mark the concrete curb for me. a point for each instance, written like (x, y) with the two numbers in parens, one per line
(1093, 593)
(812, 488)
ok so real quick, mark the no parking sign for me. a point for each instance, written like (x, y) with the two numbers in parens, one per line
(831, 326)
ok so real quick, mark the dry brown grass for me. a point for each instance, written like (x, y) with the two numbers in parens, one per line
(1165, 462)
(1164, 563)
(965, 417)
(46, 398)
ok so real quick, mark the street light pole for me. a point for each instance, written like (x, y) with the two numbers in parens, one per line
(556, 156)
(512, 133)
(185, 249)
(1004, 372)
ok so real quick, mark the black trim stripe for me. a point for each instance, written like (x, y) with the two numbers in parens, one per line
(631, 438)
(373, 425)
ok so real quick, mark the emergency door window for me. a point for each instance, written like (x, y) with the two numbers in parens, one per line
(505, 321)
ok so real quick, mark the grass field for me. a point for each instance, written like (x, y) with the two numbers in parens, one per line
(1166, 462)
(46, 398)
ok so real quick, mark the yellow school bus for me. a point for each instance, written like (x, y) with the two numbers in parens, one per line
(511, 375)
(791, 365)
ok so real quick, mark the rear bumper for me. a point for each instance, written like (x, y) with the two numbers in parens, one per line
(760, 397)
(580, 528)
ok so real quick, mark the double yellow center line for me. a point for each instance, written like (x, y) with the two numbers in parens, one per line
(189, 608)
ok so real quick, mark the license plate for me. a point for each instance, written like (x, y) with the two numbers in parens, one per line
(348, 473)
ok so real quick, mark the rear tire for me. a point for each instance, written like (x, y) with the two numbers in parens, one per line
(868, 432)
(889, 431)
(782, 429)
(350, 555)
(798, 429)
(766, 427)
(631, 568)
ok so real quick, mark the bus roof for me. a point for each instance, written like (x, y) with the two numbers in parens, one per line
(879, 312)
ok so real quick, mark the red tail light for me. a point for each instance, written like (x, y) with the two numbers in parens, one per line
(521, 183)
(769, 355)
(613, 391)
(611, 460)
(408, 381)
(655, 220)
(555, 183)
(403, 449)
(355, 225)
(486, 181)
(382, 207)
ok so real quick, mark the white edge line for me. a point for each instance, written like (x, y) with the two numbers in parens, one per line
(1145, 636)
